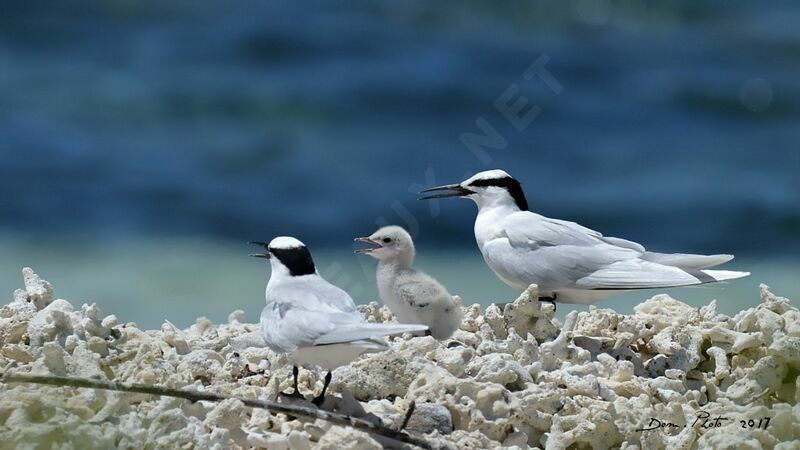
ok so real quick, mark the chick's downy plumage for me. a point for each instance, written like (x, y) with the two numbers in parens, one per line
(412, 295)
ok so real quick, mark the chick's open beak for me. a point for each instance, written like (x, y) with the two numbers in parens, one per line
(375, 245)
(448, 190)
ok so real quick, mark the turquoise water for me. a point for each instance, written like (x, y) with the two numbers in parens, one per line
(149, 280)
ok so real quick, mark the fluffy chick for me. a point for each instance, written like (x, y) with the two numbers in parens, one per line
(412, 295)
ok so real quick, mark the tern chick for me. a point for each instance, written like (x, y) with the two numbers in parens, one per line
(570, 263)
(413, 296)
(313, 321)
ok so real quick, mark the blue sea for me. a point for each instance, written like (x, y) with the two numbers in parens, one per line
(142, 144)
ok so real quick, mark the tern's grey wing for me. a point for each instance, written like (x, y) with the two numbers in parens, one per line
(550, 267)
(286, 326)
(640, 274)
(326, 297)
(297, 317)
(334, 296)
(687, 261)
(600, 267)
(556, 254)
(365, 330)
(527, 229)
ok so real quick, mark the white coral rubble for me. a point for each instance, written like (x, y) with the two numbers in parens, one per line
(512, 377)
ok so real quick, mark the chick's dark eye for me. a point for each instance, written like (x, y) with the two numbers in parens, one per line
(386, 240)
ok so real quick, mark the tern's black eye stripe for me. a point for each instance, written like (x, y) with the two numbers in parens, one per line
(511, 185)
(297, 259)
(504, 182)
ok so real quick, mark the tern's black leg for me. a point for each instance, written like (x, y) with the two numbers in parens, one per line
(551, 300)
(321, 398)
(296, 393)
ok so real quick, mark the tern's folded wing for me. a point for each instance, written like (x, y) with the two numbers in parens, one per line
(286, 327)
(685, 260)
(639, 274)
(527, 229)
(550, 266)
(313, 293)
(365, 331)
(333, 296)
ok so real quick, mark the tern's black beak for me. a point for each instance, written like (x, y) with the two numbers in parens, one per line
(260, 255)
(448, 190)
(375, 245)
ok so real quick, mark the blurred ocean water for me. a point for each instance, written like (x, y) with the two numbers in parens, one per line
(130, 129)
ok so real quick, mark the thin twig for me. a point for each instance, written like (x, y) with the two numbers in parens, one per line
(409, 413)
(336, 418)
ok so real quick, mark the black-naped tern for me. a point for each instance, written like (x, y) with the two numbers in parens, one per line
(569, 263)
(313, 321)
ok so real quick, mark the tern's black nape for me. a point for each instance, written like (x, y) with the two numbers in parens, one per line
(297, 259)
(513, 187)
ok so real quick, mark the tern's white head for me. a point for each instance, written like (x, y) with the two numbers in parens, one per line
(487, 188)
(287, 257)
(389, 243)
